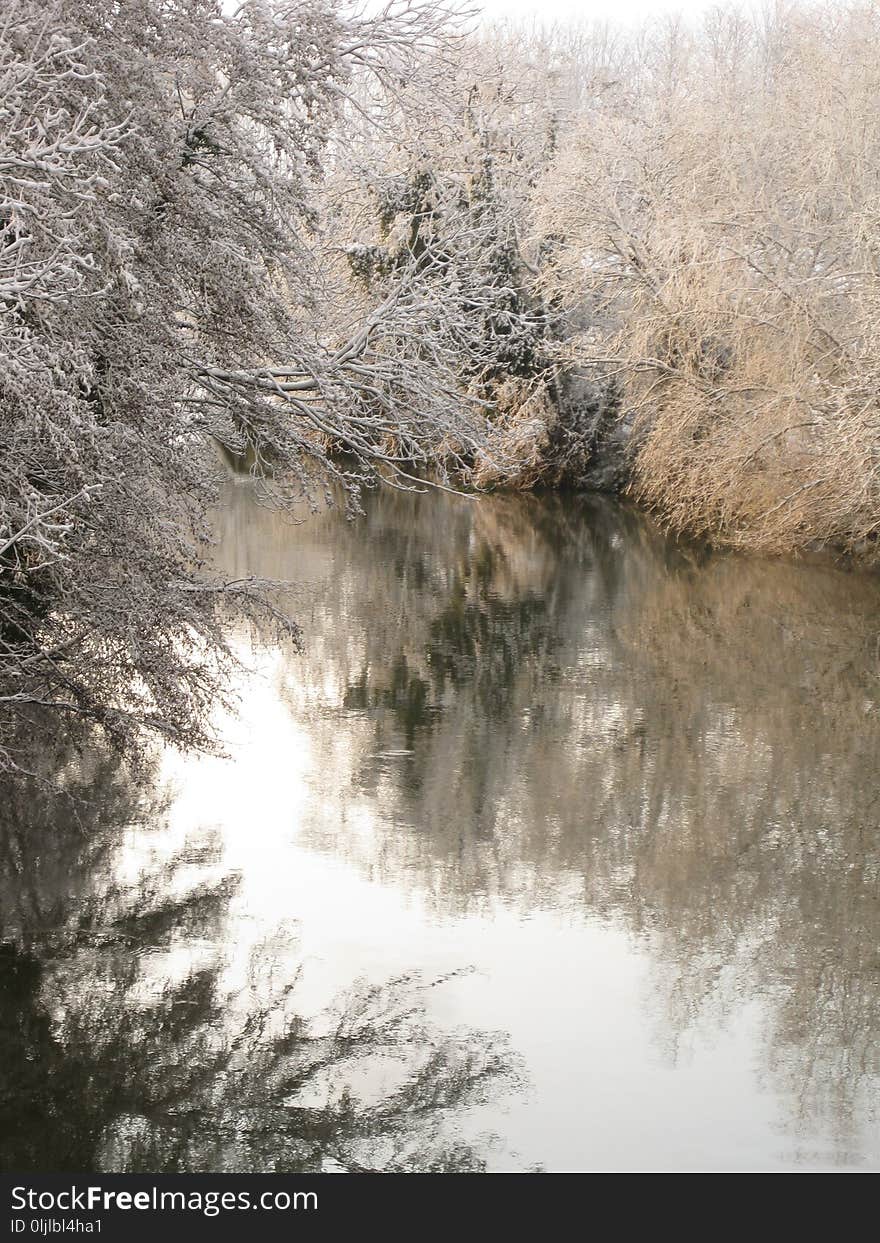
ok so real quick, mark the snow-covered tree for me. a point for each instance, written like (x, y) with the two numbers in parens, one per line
(161, 289)
(436, 199)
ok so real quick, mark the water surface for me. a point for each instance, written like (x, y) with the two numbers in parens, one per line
(555, 846)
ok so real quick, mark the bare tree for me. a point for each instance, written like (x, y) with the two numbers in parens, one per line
(434, 199)
(161, 289)
(715, 212)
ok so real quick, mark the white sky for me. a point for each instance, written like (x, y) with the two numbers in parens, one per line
(618, 11)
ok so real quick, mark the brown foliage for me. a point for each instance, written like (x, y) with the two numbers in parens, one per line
(717, 209)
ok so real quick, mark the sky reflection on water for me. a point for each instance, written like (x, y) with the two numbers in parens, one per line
(602, 809)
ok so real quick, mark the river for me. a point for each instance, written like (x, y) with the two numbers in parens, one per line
(555, 846)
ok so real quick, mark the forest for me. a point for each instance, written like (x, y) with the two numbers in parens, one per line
(341, 246)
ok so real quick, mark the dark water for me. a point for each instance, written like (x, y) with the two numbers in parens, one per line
(556, 846)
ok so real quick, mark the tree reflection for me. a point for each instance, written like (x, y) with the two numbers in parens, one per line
(126, 1044)
(548, 692)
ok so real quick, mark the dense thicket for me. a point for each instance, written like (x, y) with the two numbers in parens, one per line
(688, 223)
(716, 203)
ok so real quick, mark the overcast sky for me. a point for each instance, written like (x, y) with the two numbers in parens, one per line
(592, 10)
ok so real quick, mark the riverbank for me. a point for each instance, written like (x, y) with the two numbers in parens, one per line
(592, 445)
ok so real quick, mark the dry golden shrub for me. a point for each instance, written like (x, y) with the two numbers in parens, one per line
(717, 213)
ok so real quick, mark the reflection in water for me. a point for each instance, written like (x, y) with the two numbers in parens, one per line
(631, 784)
(125, 1045)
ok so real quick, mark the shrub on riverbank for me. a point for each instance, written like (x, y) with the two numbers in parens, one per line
(717, 205)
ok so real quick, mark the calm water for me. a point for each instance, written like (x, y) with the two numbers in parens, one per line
(556, 846)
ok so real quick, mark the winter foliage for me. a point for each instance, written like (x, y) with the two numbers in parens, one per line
(162, 291)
